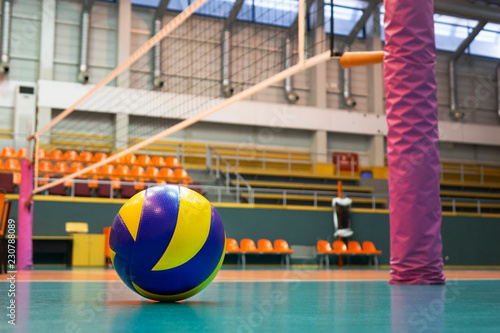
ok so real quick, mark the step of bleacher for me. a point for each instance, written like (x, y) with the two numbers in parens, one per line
(305, 186)
(309, 200)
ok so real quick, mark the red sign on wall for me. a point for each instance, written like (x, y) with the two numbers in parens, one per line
(346, 161)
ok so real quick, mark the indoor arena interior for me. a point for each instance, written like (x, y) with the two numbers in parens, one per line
(249, 166)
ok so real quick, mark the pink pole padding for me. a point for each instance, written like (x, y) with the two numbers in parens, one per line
(412, 143)
(25, 218)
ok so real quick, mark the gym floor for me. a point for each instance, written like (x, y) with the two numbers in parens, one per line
(257, 301)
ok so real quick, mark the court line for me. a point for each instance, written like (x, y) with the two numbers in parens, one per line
(260, 280)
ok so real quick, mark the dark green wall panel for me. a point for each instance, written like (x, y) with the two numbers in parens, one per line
(467, 240)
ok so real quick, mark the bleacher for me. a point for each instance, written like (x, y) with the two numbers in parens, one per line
(275, 176)
(122, 178)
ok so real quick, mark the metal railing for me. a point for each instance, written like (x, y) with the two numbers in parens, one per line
(478, 171)
(228, 170)
(216, 193)
(462, 172)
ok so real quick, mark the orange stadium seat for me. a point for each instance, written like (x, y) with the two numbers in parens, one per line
(281, 246)
(100, 156)
(71, 156)
(127, 190)
(8, 152)
(1, 165)
(130, 159)
(22, 153)
(158, 161)
(232, 246)
(322, 246)
(248, 245)
(369, 248)
(107, 251)
(323, 250)
(108, 170)
(353, 247)
(56, 155)
(339, 247)
(265, 245)
(139, 173)
(86, 157)
(61, 167)
(93, 177)
(166, 173)
(76, 166)
(44, 167)
(172, 162)
(122, 171)
(181, 175)
(154, 174)
(144, 160)
(81, 189)
(12, 164)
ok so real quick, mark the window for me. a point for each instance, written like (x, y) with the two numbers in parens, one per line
(451, 31)
(487, 42)
(345, 18)
(146, 3)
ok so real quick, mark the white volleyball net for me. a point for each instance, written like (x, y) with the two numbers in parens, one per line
(210, 55)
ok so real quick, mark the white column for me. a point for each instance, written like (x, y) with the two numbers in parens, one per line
(376, 151)
(318, 72)
(320, 147)
(124, 33)
(47, 39)
(44, 116)
(124, 27)
(375, 74)
(121, 131)
(375, 88)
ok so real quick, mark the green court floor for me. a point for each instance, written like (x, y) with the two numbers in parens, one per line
(302, 306)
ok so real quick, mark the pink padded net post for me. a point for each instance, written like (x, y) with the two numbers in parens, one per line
(25, 216)
(412, 143)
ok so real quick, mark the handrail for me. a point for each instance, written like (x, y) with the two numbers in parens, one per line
(479, 205)
(482, 171)
(229, 167)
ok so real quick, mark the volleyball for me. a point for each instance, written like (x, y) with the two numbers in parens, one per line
(167, 243)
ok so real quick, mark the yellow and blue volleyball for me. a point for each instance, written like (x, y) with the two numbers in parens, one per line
(167, 243)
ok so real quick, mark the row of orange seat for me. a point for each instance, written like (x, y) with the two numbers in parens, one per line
(353, 247)
(263, 246)
(88, 157)
(47, 170)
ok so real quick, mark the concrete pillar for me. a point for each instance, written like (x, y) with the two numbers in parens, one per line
(124, 28)
(121, 131)
(44, 116)
(375, 88)
(375, 75)
(376, 151)
(319, 147)
(47, 39)
(318, 72)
